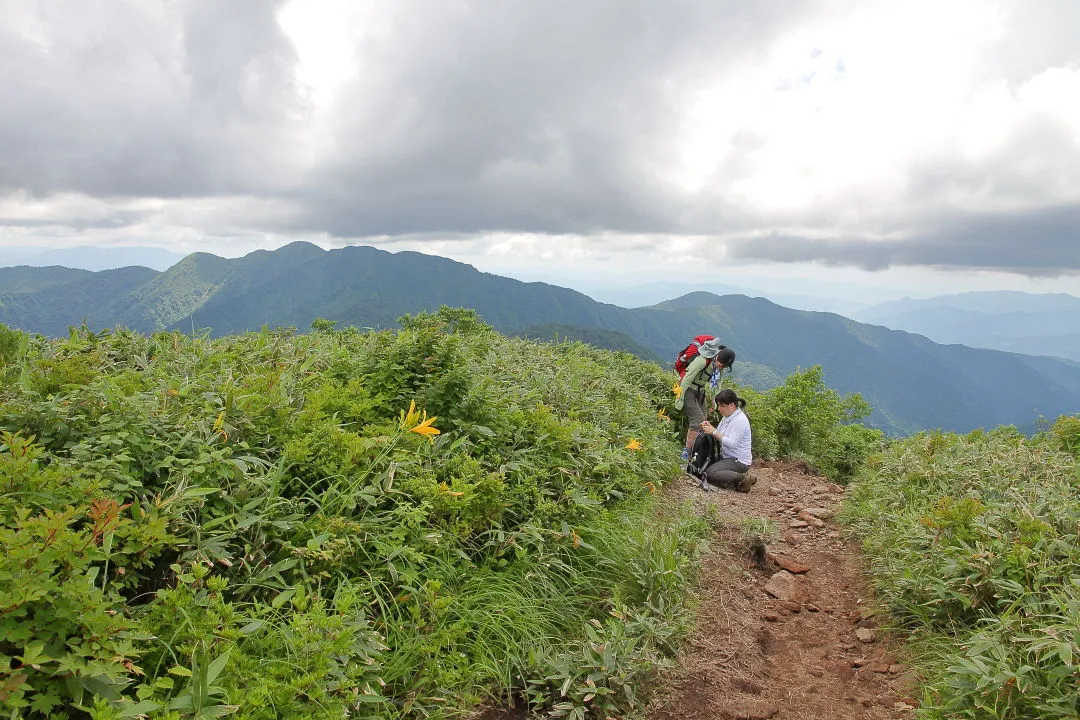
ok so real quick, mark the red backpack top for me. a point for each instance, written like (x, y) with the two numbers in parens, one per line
(683, 359)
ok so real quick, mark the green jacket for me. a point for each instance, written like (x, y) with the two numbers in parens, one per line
(697, 375)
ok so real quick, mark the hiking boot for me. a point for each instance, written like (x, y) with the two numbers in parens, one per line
(746, 482)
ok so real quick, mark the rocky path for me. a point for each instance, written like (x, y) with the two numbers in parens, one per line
(785, 628)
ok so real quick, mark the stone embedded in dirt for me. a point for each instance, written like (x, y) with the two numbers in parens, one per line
(865, 635)
(819, 512)
(791, 606)
(750, 711)
(814, 672)
(896, 669)
(811, 607)
(748, 686)
(842, 670)
(770, 615)
(798, 524)
(792, 566)
(811, 519)
(786, 587)
(879, 667)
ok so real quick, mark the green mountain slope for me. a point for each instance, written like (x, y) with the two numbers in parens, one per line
(48, 300)
(912, 382)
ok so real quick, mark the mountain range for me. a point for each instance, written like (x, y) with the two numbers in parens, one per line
(1034, 324)
(912, 382)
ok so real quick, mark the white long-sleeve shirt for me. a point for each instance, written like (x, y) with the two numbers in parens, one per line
(735, 442)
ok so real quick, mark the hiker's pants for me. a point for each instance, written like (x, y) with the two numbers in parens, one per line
(694, 406)
(726, 472)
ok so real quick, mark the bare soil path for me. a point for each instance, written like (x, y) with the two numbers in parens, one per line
(791, 644)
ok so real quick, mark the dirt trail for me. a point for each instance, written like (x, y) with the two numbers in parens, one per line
(776, 644)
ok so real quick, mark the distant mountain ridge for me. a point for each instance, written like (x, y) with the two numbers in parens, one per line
(1004, 320)
(912, 382)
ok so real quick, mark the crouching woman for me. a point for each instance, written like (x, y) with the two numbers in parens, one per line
(732, 469)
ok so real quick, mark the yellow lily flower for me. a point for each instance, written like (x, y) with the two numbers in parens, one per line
(410, 419)
(677, 389)
(652, 488)
(662, 414)
(633, 444)
(425, 428)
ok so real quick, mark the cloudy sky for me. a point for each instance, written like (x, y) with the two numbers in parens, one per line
(926, 145)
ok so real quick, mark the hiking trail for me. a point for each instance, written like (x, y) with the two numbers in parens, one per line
(784, 630)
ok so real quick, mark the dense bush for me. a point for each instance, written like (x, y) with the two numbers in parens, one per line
(372, 524)
(802, 418)
(973, 544)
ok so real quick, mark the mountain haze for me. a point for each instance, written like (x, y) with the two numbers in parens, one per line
(912, 382)
(1018, 322)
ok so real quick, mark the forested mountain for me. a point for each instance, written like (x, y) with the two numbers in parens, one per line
(911, 382)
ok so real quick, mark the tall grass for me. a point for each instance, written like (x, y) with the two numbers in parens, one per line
(974, 543)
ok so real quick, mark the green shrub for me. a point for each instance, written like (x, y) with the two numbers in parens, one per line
(378, 523)
(972, 542)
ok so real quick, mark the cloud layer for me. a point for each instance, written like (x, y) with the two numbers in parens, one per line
(864, 134)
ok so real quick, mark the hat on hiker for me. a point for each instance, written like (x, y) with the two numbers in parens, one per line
(710, 348)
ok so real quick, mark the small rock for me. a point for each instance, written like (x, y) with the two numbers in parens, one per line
(819, 512)
(791, 606)
(842, 670)
(867, 702)
(815, 672)
(792, 566)
(770, 615)
(785, 587)
(773, 491)
(811, 607)
(748, 686)
(798, 524)
(865, 635)
(861, 662)
(879, 667)
(833, 534)
(896, 669)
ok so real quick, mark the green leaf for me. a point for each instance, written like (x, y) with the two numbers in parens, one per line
(282, 597)
(217, 666)
(137, 710)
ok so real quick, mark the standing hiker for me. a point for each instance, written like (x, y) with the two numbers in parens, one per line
(700, 382)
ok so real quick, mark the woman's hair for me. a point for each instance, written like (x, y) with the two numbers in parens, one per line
(728, 396)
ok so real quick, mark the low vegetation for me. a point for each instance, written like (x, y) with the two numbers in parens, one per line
(341, 523)
(418, 522)
(974, 543)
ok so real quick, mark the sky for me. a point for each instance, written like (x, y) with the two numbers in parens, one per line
(906, 146)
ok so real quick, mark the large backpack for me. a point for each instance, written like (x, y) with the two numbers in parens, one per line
(705, 452)
(683, 359)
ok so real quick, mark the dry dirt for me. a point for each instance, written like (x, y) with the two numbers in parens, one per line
(813, 652)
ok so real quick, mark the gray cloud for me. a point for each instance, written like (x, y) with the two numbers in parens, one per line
(552, 116)
(145, 99)
(1044, 243)
(542, 116)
